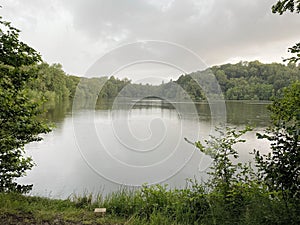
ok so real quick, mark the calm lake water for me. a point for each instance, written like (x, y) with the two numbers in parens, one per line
(132, 143)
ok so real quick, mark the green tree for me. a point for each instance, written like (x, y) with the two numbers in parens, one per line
(53, 78)
(281, 167)
(292, 6)
(19, 123)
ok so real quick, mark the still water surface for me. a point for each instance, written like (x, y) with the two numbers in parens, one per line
(103, 149)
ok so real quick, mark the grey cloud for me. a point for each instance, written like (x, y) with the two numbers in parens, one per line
(225, 22)
(217, 30)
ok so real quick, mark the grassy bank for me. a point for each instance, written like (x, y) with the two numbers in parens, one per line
(154, 205)
(19, 209)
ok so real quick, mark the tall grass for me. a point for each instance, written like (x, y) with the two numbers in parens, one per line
(195, 204)
(157, 204)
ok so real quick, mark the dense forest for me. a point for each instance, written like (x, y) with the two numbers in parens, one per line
(241, 81)
(53, 84)
(255, 80)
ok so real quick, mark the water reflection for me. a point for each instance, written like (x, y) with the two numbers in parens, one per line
(238, 112)
(62, 168)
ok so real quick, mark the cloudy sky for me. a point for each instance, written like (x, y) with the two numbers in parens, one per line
(77, 33)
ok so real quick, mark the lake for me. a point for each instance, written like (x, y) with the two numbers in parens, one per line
(131, 143)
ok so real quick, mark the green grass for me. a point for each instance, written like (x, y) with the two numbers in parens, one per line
(154, 205)
(19, 209)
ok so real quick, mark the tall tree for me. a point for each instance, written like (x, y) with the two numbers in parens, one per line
(19, 123)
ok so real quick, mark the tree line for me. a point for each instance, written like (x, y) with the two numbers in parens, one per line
(240, 81)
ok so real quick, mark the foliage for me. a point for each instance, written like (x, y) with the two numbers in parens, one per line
(18, 114)
(281, 7)
(254, 80)
(241, 81)
(231, 182)
(113, 87)
(294, 50)
(53, 84)
(244, 80)
(281, 167)
(236, 195)
(284, 5)
(226, 173)
(191, 87)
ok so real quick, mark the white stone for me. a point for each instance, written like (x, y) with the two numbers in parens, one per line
(100, 210)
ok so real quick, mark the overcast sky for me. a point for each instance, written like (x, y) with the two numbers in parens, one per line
(76, 33)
